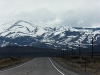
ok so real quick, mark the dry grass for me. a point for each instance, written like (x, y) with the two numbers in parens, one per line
(10, 61)
(84, 64)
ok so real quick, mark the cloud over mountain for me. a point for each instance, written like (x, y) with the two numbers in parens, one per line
(74, 13)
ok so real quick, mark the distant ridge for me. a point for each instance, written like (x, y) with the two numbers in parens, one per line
(24, 33)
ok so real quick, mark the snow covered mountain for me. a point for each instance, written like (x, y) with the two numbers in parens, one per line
(24, 33)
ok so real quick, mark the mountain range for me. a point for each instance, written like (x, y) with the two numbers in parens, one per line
(29, 33)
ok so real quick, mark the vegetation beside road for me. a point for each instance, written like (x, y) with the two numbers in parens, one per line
(85, 64)
(11, 61)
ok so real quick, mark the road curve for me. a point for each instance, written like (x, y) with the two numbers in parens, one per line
(38, 66)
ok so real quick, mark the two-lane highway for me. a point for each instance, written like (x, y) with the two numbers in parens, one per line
(38, 66)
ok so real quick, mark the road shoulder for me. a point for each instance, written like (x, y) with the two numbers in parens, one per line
(69, 68)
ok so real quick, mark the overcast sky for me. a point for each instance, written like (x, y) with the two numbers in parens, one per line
(74, 13)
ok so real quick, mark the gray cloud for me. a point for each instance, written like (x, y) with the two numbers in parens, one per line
(81, 13)
(81, 18)
(40, 14)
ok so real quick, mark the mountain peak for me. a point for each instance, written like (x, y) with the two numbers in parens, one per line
(22, 21)
(57, 36)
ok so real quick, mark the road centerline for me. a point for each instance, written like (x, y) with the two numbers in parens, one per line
(31, 69)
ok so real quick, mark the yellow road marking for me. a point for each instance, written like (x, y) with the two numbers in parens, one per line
(31, 69)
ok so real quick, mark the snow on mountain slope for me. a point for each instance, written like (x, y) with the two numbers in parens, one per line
(33, 33)
(22, 28)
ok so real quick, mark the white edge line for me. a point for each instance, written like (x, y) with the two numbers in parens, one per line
(56, 67)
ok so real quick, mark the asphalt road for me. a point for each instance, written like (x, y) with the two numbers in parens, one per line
(38, 66)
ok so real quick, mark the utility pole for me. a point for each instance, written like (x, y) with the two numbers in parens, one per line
(72, 49)
(92, 48)
(67, 52)
(72, 46)
(79, 49)
(62, 54)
